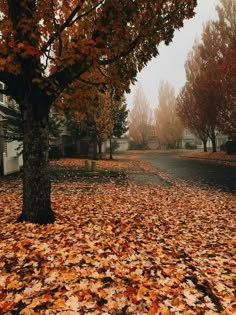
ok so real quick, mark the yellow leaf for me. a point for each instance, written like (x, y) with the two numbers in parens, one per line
(59, 303)
(13, 284)
(27, 311)
(141, 292)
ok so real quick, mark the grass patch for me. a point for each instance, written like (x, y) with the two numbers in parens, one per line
(60, 173)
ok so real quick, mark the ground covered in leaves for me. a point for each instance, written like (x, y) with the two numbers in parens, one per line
(118, 248)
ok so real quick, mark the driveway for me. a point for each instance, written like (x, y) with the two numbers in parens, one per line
(194, 171)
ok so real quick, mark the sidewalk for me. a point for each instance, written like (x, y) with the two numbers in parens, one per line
(219, 157)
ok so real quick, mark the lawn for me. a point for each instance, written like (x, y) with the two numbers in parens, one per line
(117, 247)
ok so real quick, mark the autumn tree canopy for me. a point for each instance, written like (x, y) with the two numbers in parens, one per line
(226, 26)
(202, 89)
(203, 78)
(140, 118)
(120, 117)
(190, 115)
(59, 41)
(97, 114)
(46, 45)
(207, 101)
(167, 123)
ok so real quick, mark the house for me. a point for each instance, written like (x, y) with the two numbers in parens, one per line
(190, 141)
(153, 142)
(187, 141)
(121, 144)
(10, 161)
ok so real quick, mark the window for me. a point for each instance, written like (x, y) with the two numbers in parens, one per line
(187, 132)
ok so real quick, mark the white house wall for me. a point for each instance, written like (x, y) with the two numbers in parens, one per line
(12, 148)
(123, 145)
(10, 165)
(11, 161)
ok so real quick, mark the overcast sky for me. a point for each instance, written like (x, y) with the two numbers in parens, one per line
(169, 64)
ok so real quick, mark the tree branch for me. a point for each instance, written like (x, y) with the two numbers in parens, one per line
(70, 73)
(13, 9)
(86, 13)
(93, 83)
(122, 54)
(61, 28)
(102, 73)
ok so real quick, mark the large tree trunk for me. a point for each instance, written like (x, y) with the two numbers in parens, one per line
(36, 183)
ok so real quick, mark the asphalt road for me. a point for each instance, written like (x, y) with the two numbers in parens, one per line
(203, 172)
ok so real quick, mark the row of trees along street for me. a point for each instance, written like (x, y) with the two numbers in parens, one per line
(165, 123)
(207, 102)
(47, 48)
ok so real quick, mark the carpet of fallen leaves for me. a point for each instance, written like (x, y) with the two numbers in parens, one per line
(118, 248)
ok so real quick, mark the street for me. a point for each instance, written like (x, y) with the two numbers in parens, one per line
(204, 172)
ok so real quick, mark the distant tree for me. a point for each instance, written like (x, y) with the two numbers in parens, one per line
(140, 118)
(226, 26)
(188, 111)
(98, 115)
(226, 23)
(208, 87)
(204, 84)
(93, 121)
(119, 117)
(102, 123)
(210, 94)
(167, 123)
(227, 121)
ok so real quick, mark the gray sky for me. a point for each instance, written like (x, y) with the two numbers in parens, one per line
(169, 64)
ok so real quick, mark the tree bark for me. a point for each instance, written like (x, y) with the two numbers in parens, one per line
(213, 141)
(36, 183)
(95, 151)
(212, 136)
(110, 149)
(205, 146)
(99, 149)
